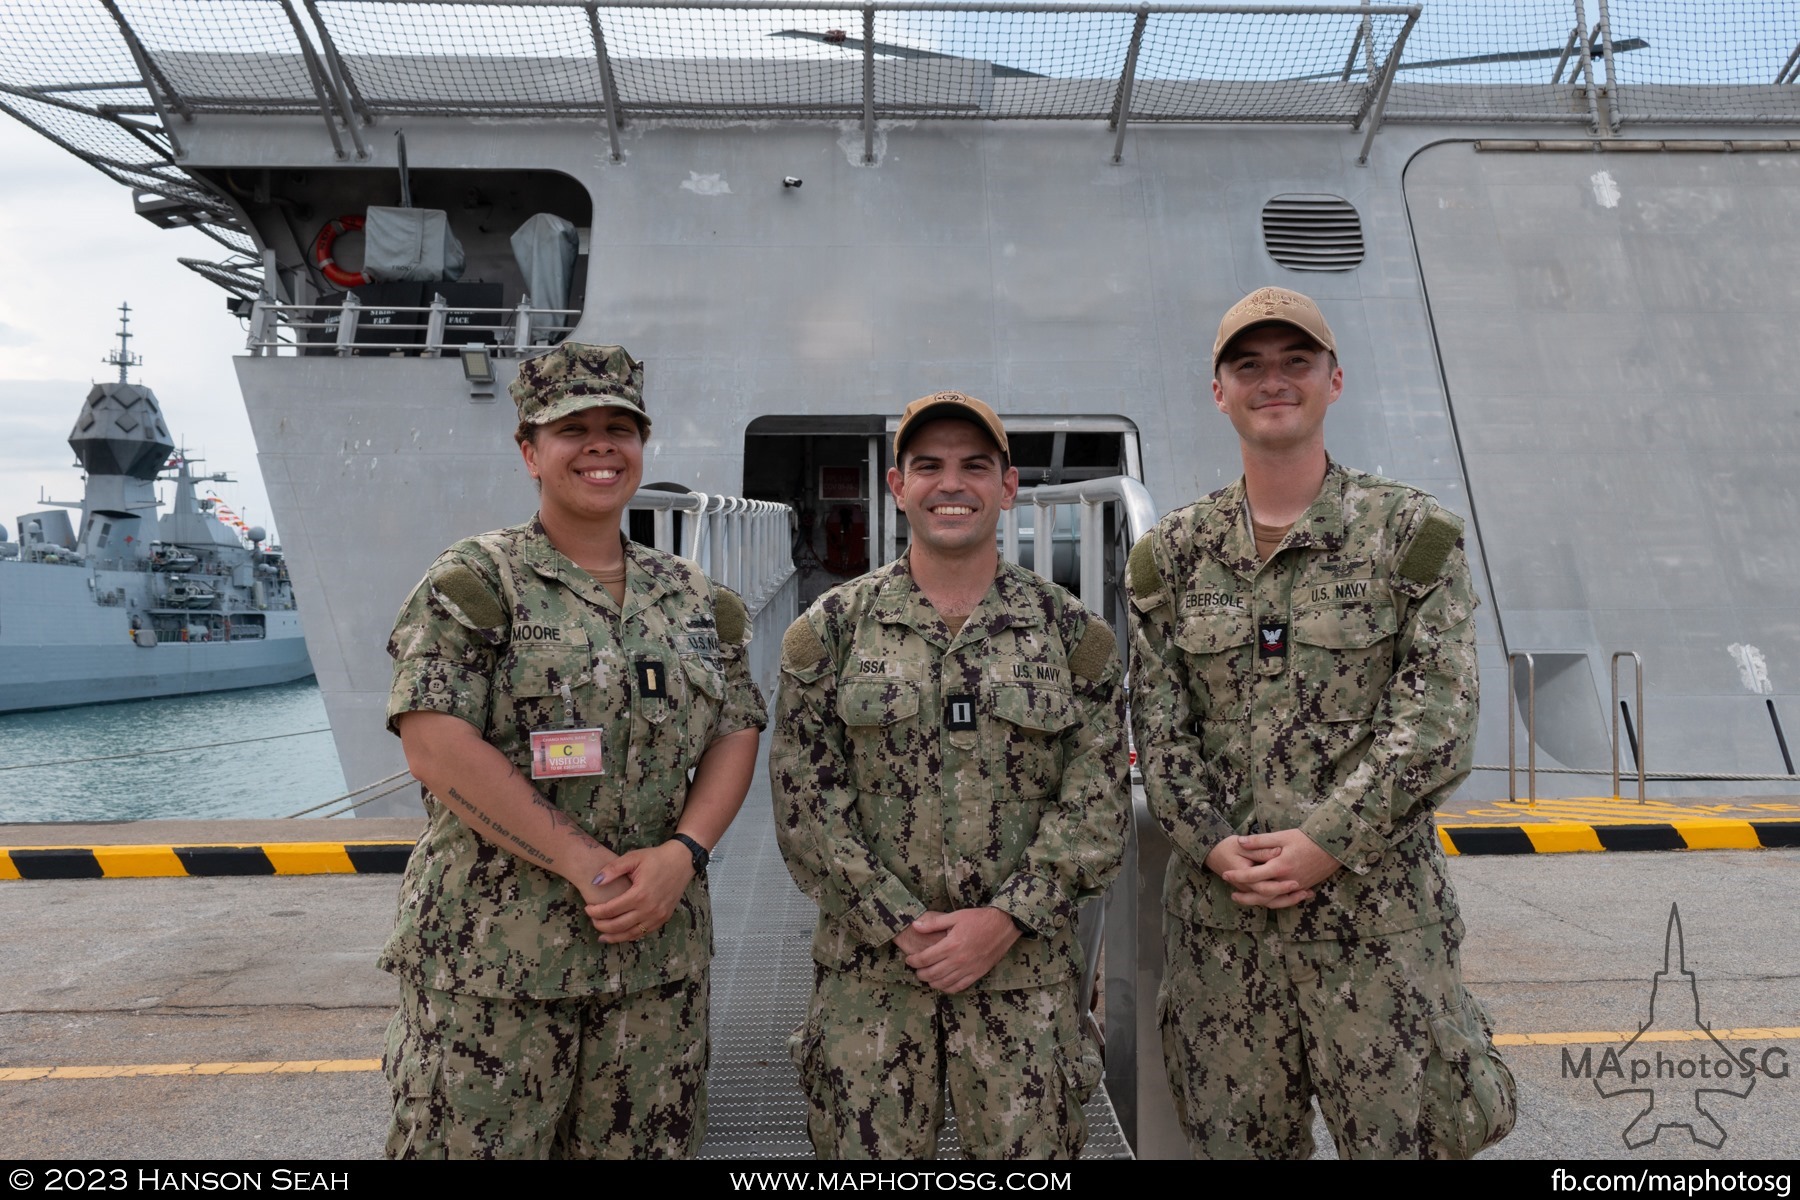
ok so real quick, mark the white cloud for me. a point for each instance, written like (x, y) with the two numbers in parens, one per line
(72, 249)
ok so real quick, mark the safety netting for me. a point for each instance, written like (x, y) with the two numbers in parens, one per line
(117, 83)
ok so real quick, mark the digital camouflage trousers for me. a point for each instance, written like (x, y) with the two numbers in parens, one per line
(1380, 1030)
(619, 1076)
(876, 1057)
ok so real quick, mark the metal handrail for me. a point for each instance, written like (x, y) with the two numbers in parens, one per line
(1512, 712)
(741, 543)
(1139, 511)
(267, 316)
(1637, 671)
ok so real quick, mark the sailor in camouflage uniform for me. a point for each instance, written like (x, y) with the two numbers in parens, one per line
(554, 933)
(949, 781)
(1304, 695)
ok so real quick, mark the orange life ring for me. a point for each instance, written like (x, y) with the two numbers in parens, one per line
(322, 252)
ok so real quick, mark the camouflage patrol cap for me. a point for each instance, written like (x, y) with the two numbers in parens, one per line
(948, 404)
(575, 376)
(1278, 306)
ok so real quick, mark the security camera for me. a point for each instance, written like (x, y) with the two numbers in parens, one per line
(788, 181)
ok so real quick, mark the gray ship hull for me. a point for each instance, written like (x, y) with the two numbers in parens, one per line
(60, 648)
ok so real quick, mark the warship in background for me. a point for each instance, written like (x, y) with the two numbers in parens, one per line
(124, 604)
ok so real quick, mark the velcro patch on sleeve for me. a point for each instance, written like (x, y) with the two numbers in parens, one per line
(1147, 587)
(801, 646)
(1094, 652)
(469, 600)
(1430, 547)
(730, 616)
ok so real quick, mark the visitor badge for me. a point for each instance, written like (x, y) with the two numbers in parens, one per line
(557, 753)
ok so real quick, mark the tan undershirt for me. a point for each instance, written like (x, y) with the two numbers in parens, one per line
(955, 624)
(613, 582)
(1268, 537)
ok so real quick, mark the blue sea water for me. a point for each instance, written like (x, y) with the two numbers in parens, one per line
(49, 772)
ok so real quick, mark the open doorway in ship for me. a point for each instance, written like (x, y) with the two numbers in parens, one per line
(833, 472)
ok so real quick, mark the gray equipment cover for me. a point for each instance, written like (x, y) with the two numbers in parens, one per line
(410, 244)
(545, 247)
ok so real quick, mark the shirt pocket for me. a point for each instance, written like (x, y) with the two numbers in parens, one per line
(1029, 719)
(535, 682)
(1343, 659)
(881, 731)
(1217, 647)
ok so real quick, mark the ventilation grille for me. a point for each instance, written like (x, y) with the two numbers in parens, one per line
(1313, 233)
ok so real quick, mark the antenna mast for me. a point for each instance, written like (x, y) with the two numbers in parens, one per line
(122, 358)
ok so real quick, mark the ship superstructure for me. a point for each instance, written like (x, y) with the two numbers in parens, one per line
(123, 603)
(1555, 239)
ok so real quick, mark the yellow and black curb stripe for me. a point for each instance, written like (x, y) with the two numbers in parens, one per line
(1558, 837)
(151, 862)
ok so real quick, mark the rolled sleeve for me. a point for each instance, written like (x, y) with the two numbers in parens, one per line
(441, 664)
(743, 706)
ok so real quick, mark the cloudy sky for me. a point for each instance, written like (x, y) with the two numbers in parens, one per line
(71, 250)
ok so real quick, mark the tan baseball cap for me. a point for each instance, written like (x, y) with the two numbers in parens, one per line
(1273, 305)
(575, 376)
(948, 404)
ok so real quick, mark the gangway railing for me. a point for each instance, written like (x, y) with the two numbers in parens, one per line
(745, 545)
(1113, 513)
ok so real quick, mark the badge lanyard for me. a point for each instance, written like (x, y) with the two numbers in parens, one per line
(562, 753)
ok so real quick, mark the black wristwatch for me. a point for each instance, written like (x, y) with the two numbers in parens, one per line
(701, 854)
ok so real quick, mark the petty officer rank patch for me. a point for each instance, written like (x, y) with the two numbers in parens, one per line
(652, 679)
(959, 712)
(1271, 639)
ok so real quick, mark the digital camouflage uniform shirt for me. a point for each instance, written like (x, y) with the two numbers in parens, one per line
(1332, 689)
(509, 635)
(917, 770)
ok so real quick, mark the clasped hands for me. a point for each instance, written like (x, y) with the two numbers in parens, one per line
(1271, 870)
(951, 951)
(635, 894)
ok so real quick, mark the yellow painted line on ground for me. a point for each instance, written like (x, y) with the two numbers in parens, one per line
(138, 862)
(7, 870)
(1771, 1034)
(1723, 834)
(318, 1066)
(1561, 837)
(309, 858)
(1448, 845)
(331, 1066)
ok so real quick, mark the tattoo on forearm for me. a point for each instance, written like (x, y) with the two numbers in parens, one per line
(500, 831)
(562, 820)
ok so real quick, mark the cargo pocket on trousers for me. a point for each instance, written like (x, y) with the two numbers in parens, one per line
(416, 1081)
(806, 1047)
(1470, 1100)
(1078, 1062)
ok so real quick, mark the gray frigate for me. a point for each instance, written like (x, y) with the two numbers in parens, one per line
(126, 604)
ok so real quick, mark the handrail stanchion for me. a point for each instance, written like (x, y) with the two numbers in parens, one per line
(1637, 672)
(1512, 709)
